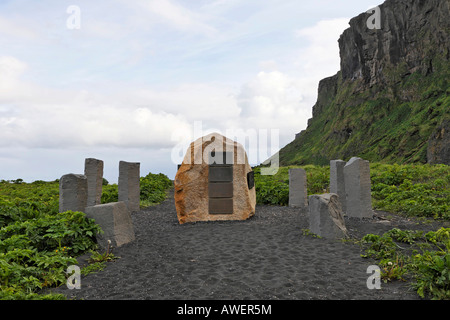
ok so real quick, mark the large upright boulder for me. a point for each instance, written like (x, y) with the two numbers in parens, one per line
(214, 182)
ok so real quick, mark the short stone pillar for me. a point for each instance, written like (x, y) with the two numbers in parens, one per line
(357, 188)
(129, 184)
(297, 188)
(73, 192)
(325, 216)
(93, 170)
(337, 181)
(115, 220)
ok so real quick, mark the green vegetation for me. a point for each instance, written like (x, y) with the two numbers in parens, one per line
(37, 243)
(274, 189)
(153, 190)
(411, 190)
(406, 253)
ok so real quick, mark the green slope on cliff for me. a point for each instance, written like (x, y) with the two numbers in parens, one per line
(390, 100)
(376, 124)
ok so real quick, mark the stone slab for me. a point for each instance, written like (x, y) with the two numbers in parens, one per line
(73, 191)
(337, 181)
(93, 170)
(115, 220)
(297, 188)
(358, 188)
(326, 216)
(129, 184)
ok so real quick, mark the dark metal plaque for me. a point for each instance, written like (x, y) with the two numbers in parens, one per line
(220, 174)
(221, 205)
(221, 158)
(221, 190)
(250, 179)
(220, 187)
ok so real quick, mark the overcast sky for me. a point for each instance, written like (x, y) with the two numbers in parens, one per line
(130, 83)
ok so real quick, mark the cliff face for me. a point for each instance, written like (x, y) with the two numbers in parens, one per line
(390, 100)
(412, 33)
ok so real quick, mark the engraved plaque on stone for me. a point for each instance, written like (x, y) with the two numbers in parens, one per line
(221, 190)
(221, 206)
(220, 187)
(220, 174)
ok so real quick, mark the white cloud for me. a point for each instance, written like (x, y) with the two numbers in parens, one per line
(10, 70)
(17, 28)
(177, 16)
(322, 53)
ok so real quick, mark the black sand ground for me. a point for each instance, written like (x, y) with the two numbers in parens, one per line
(265, 257)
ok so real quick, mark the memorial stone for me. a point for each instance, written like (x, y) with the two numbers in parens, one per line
(214, 182)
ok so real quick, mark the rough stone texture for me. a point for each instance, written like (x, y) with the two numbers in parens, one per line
(326, 216)
(337, 181)
(297, 188)
(357, 188)
(93, 170)
(129, 184)
(192, 181)
(412, 32)
(439, 144)
(73, 192)
(115, 220)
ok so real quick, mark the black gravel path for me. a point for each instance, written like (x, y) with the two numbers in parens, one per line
(265, 257)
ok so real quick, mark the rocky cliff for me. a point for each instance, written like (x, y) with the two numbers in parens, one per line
(390, 100)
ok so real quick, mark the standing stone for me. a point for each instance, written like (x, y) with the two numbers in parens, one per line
(214, 182)
(115, 220)
(337, 181)
(357, 188)
(297, 188)
(93, 170)
(325, 216)
(129, 184)
(73, 192)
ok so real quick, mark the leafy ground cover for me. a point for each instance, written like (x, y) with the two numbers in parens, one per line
(37, 243)
(422, 257)
(412, 190)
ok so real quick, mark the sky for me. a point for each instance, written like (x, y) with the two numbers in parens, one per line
(137, 80)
